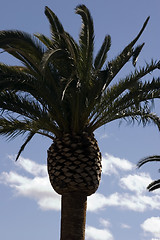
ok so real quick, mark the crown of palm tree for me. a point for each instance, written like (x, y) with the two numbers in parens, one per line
(62, 88)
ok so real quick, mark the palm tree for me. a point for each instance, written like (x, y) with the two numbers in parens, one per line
(64, 93)
(155, 184)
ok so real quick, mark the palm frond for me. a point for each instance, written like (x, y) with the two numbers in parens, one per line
(29, 137)
(141, 116)
(116, 64)
(86, 41)
(13, 77)
(136, 53)
(61, 61)
(139, 101)
(46, 92)
(72, 47)
(155, 158)
(148, 159)
(154, 185)
(129, 91)
(102, 54)
(130, 81)
(22, 46)
(24, 105)
(56, 29)
(12, 127)
(60, 38)
(45, 40)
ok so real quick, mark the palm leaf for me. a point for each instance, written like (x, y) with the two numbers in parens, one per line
(11, 127)
(24, 105)
(45, 40)
(102, 54)
(61, 61)
(29, 137)
(22, 46)
(116, 64)
(130, 81)
(72, 48)
(130, 102)
(86, 41)
(136, 53)
(56, 29)
(148, 159)
(154, 185)
(126, 89)
(45, 92)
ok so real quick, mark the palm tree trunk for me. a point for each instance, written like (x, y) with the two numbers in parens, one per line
(73, 216)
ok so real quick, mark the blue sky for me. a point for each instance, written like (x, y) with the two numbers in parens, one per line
(121, 208)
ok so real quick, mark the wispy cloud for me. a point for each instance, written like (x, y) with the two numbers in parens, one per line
(136, 182)
(96, 202)
(112, 165)
(125, 226)
(132, 202)
(104, 222)
(93, 233)
(104, 136)
(31, 167)
(37, 186)
(151, 227)
(103, 233)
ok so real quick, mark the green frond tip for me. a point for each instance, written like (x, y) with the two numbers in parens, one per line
(102, 54)
(45, 40)
(29, 137)
(136, 53)
(141, 31)
(55, 24)
(87, 31)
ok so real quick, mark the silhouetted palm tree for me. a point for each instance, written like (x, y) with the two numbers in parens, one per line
(64, 93)
(155, 184)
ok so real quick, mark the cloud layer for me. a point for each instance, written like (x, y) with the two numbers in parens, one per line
(151, 226)
(31, 180)
(112, 165)
(104, 233)
(132, 193)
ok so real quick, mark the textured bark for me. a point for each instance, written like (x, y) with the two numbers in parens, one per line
(74, 164)
(73, 216)
(74, 167)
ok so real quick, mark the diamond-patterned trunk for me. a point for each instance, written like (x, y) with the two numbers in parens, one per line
(74, 164)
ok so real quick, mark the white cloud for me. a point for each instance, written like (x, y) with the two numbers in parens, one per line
(136, 182)
(125, 201)
(31, 167)
(104, 222)
(151, 226)
(132, 202)
(125, 226)
(37, 187)
(98, 234)
(96, 202)
(112, 165)
(104, 136)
